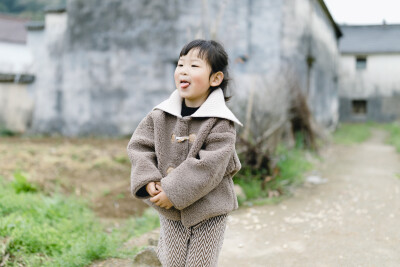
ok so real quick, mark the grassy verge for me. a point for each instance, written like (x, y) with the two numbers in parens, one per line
(352, 133)
(41, 230)
(394, 135)
(291, 166)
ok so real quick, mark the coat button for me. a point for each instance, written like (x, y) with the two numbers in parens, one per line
(192, 137)
(170, 169)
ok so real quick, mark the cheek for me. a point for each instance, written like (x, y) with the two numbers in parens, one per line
(176, 76)
(202, 79)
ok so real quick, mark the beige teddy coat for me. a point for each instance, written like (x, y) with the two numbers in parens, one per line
(194, 157)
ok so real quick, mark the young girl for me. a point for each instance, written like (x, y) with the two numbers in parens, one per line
(183, 159)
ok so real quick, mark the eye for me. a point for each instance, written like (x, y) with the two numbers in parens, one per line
(195, 66)
(180, 65)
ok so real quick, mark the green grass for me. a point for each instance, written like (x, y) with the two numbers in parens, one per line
(394, 135)
(140, 225)
(40, 230)
(292, 164)
(352, 133)
(6, 132)
(21, 184)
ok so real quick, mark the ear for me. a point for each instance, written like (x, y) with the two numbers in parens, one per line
(216, 78)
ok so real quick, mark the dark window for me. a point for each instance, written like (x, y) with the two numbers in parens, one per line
(361, 63)
(359, 107)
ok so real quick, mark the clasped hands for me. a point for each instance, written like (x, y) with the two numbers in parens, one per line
(158, 196)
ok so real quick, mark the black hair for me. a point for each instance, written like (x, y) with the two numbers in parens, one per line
(215, 55)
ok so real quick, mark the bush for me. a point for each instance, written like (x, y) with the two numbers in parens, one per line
(290, 168)
(6, 132)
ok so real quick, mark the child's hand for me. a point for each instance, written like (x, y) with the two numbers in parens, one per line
(152, 189)
(162, 200)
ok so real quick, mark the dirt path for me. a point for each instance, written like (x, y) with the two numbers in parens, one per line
(352, 220)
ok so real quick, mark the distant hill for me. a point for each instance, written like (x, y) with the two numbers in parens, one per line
(30, 9)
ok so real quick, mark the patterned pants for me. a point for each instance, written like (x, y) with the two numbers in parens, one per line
(198, 245)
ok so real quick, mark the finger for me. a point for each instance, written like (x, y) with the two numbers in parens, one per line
(158, 187)
(154, 199)
(153, 188)
(150, 188)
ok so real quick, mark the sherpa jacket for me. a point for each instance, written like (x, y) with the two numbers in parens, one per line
(193, 157)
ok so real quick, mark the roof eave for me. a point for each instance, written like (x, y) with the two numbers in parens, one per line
(55, 9)
(338, 32)
(368, 52)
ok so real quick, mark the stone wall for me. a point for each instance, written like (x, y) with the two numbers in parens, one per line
(309, 46)
(103, 65)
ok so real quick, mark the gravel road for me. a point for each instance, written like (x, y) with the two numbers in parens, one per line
(351, 220)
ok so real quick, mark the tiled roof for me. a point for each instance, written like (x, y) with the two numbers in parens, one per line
(12, 29)
(369, 39)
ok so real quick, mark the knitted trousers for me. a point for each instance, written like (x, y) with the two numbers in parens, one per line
(198, 245)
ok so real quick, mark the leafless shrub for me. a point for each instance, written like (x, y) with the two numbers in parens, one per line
(276, 112)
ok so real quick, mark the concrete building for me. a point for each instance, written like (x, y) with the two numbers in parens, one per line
(370, 73)
(101, 66)
(16, 103)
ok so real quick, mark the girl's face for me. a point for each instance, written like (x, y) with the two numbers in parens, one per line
(192, 78)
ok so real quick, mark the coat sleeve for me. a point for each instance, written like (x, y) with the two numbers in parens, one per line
(141, 152)
(197, 176)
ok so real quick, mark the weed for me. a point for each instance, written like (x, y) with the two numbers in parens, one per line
(120, 196)
(6, 132)
(100, 164)
(106, 192)
(21, 184)
(121, 159)
(260, 188)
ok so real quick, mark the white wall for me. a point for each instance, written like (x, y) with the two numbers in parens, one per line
(16, 103)
(15, 58)
(46, 46)
(15, 106)
(307, 31)
(381, 76)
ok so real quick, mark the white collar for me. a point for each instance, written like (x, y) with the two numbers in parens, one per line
(214, 106)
